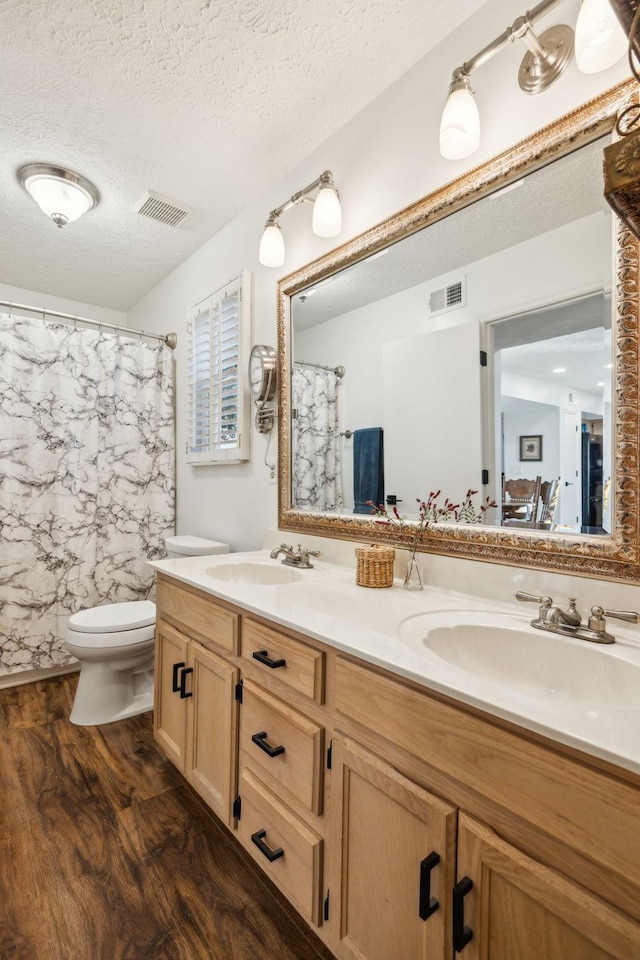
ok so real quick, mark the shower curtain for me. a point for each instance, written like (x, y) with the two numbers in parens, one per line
(87, 486)
(317, 468)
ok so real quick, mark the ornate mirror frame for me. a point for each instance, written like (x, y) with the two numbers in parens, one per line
(613, 557)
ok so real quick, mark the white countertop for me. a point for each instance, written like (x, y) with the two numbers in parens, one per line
(327, 604)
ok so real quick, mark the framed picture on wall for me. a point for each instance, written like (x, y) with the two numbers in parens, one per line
(531, 447)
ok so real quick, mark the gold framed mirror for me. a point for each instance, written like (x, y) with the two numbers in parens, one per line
(610, 549)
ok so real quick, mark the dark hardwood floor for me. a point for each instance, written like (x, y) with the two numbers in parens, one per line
(106, 853)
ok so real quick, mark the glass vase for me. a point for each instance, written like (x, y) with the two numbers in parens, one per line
(412, 577)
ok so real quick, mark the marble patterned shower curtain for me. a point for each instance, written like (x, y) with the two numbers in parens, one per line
(87, 486)
(317, 467)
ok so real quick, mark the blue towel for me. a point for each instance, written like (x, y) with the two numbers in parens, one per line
(368, 468)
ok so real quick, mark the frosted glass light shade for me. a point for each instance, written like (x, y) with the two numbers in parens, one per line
(327, 214)
(62, 195)
(600, 40)
(272, 246)
(460, 125)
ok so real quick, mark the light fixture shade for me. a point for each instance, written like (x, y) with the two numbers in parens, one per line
(272, 245)
(61, 194)
(460, 125)
(327, 214)
(600, 40)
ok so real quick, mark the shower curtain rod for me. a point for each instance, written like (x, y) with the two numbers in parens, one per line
(171, 339)
(339, 371)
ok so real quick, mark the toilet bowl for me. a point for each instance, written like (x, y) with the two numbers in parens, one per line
(115, 646)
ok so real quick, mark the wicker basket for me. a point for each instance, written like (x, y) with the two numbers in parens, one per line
(374, 565)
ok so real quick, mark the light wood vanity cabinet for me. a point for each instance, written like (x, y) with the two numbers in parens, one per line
(195, 717)
(396, 821)
(393, 866)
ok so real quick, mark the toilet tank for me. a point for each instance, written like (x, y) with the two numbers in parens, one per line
(187, 546)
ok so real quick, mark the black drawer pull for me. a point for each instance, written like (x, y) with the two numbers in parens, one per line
(175, 683)
(461, 934)
(271, 855)
(260, 740)
(183, 683)
(262, 656)
(428, 904)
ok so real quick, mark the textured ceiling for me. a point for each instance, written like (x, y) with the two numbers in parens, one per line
(208, 102)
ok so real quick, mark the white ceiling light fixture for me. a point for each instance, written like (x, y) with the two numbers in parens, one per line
(61, 194)
(600, 38)
(326, 221)
(600, 41)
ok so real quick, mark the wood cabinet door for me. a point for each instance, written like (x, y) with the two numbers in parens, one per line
(392, 859)
(170, 711)
(518, 908)
(212, 742)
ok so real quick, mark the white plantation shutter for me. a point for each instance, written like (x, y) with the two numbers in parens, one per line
(219, 331)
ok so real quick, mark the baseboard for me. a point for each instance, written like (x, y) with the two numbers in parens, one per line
(30, 676)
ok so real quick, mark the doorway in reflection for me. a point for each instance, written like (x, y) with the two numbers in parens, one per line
(552, 390)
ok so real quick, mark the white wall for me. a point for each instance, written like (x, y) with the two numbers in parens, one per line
(384, 159)
(32, 299)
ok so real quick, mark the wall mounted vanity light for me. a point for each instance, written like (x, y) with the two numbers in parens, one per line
(599, 42)
(326, 222)
(62, 194)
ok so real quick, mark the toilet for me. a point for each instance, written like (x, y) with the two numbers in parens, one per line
(115, 644)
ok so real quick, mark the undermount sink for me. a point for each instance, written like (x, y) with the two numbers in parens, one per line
(506, 650)
(254, 572)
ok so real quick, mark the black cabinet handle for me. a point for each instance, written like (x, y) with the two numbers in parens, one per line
(183, 683)
(461, 934)
(271, 855)
(260, 740)
(175, 684)
(262, 656)
(428, 904)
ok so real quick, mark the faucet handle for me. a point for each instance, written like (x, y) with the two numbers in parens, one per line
(531, 598)
(630, 615)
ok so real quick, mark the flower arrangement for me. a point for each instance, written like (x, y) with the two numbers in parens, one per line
(429, 511)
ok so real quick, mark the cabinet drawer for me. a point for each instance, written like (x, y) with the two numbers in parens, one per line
(285, 847)
(286, 746)
(197, 615)
(285, 659)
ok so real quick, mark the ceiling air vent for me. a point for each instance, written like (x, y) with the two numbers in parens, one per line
(158, 208)
(448, 298)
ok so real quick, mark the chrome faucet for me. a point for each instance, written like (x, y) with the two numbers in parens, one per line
(569, 622)
(293, 559)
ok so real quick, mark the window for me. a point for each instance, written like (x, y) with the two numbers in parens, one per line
(219, 331)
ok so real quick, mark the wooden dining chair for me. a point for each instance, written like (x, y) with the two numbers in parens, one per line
(520, 501)
(549, 492)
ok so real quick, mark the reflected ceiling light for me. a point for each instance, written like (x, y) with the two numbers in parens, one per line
(326, 220)
(600, 42)
(599, 384)
(62, 194)
(559, 370)
(600, 39)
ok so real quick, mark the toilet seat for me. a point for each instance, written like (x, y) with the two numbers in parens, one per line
(78, 640)
(113, 618)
